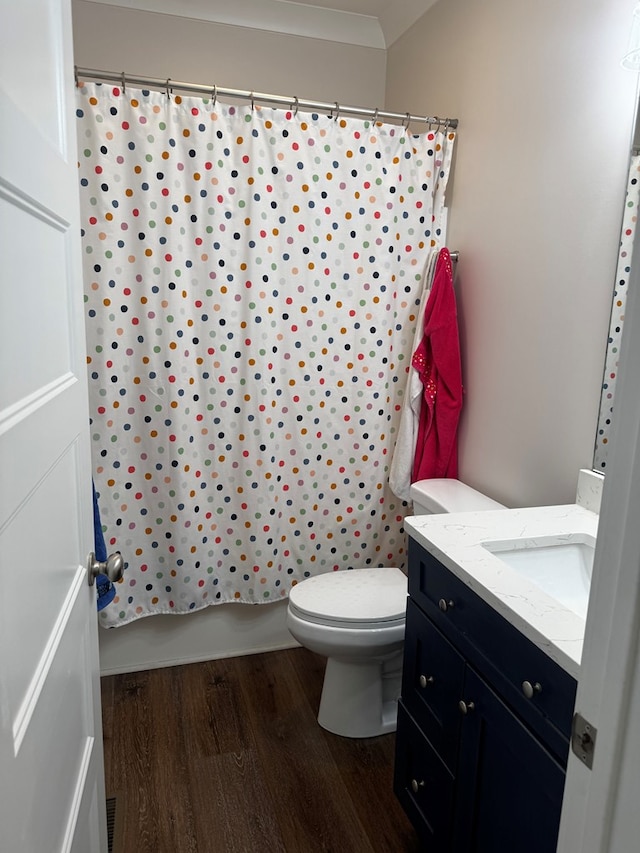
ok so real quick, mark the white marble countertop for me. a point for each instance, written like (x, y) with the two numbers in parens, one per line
(456, 540)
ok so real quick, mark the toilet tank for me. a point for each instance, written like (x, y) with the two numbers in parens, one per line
(444, 495)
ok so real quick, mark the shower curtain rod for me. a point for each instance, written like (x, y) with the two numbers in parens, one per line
(291, 102)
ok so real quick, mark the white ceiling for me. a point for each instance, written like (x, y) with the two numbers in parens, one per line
(368, 23)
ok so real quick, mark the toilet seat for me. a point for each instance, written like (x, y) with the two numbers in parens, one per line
(358, 598)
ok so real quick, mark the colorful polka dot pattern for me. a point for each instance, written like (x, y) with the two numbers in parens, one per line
(623, 271)
(251, 281)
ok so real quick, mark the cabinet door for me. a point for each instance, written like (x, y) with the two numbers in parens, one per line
(509, 788)
(423, 785)
(432, 678)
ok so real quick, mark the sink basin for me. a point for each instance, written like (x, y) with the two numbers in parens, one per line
(560, 566)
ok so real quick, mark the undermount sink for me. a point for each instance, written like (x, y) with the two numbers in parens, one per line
(560, 565)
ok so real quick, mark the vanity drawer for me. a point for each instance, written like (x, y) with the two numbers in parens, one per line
(423, 785)
(432, 683)
(492, 644)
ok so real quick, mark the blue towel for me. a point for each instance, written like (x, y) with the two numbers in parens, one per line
(105, 589)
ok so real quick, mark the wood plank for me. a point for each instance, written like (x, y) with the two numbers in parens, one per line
(147, 762)
(130, 777)
(309, 668)
(210, 697)
(127, 746)
(232, 805)
(108, 701)
(169, 802)
(314, 809)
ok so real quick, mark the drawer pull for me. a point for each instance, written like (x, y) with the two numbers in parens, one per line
(426, 680)
(530, 689)
(445, 605)
(415, 785)
(466, 707)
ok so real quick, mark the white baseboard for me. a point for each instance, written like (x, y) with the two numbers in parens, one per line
(220, 631)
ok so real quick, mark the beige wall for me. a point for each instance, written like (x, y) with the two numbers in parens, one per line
(153, 45)
(545, 125)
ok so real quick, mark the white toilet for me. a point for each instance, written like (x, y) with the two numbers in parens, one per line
(356, 619)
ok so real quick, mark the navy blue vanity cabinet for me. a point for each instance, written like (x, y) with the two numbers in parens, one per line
(483, 723)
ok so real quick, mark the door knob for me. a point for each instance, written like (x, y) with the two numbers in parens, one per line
(113, 567)
(415, 785)
(530, 690)
(466, 707)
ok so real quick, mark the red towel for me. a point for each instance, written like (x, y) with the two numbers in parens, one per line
(437, 360)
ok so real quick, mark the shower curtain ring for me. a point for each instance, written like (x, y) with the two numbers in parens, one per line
(297, 104)
(214, 95)
(123, 83)
(337, 115)
(168, 89)
(253, 105)
(407, 121)
(375, 116)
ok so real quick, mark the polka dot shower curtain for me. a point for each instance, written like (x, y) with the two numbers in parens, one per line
(252, 279)
(618, 308)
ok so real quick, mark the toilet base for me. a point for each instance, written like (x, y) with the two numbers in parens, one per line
(360, 700)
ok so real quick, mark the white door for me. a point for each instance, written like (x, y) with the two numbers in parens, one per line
(600, 812)
(51, 765)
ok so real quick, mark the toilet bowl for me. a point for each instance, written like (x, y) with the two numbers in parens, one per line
(356, 619)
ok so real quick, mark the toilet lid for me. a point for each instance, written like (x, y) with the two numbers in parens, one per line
(359, 597)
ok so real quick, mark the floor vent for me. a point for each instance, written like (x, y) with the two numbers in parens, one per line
(111, 822)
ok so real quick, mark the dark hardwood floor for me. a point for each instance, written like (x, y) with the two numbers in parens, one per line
(227, 757)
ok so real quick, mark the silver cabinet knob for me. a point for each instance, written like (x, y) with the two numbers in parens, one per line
(466, 707)
(426, 680)
(415, 785)
(530, 689)
(113, 567)
(445, 605)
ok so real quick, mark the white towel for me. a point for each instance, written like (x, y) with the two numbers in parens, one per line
(404, 452)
